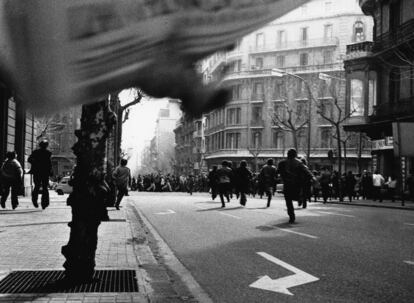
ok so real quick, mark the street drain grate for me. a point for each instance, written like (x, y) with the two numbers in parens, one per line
(50, 281)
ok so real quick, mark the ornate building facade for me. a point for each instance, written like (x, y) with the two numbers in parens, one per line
(282, 76)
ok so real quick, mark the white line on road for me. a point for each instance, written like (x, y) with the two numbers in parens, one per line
(168, 212)
(297, 233)
(411, 224)
(334, 214)
(224, 214)
(409, 262)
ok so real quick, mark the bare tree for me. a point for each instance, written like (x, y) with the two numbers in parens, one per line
(255, 152)
(292, 121)
(336, 120)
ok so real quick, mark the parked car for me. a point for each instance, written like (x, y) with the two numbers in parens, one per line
(63, 186)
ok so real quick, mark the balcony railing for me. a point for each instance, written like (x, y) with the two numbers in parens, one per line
(404, 33)
(401, 108)
(312, 43)
(267, 72)
(359, 50)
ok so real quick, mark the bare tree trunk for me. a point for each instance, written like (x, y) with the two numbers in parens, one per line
(295, 140)
(345, 158)
(89, 191)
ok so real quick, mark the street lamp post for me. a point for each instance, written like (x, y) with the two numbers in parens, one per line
(279, 73)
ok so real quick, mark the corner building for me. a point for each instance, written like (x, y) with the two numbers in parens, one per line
(309, 42)
(380, 84)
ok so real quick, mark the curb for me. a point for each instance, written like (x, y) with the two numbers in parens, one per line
(171, 262)
(371, 205)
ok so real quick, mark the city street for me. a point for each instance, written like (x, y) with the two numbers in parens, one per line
(334, 253)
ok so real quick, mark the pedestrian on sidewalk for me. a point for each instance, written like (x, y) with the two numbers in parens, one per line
(268, 178)
(224, 175)
(377, 183)
(306, 189)
(243, 177)
(392, 187)
(41, 169)
(366, 185)
(122, 177)
(11, 174)
(293, 172)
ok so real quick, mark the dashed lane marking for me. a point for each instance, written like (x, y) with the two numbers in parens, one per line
(298, 233)
(410, 224)
(409, 262)
(334, 214)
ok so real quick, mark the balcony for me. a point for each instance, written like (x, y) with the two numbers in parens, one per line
(267, 72)
(359, 50)
(294, 45)
(404, 33)
(400, 109)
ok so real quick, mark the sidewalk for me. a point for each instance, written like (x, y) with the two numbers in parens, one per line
(31, 239)
(408, 205)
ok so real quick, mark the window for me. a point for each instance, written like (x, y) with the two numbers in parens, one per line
(233, 116)
(259, 63)
(257, 139)
(327, 56)
(328, 31)
(328, 6)
(281, 38)
(237, 92)
(359, 32)
(303, 59)
(326, 137)
(323, 89)
(301, 138)
(394, 85)
(304, 35)
(372, 86)
(301, 111)
(278, 139)
(256, 115)
(395, 15)
(357, 100)
(257, 91)
(280, 61)
(280, 110)
(278, 90)
(232, 140)
(326, 110)
(300, 89)
(260, 40)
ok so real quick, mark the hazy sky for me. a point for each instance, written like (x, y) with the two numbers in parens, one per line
(138, 130)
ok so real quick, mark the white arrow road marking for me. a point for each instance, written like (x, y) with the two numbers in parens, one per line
(281, 285)
(409, 262)
(168, 212)
(335, 214)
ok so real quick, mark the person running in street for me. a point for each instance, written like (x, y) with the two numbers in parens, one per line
(11, 174)
(293, 172)
(213, 182)
(41, 168)
(224, 175)
(268, 176)
(243, 177)
(122, 177)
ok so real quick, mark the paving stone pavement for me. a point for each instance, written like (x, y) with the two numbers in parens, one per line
(31, 239)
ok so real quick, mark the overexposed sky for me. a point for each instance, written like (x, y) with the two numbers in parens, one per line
(138, 130)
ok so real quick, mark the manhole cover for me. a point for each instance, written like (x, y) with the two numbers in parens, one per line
(50, 281)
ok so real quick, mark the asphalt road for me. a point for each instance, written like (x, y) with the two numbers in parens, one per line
(345, 253)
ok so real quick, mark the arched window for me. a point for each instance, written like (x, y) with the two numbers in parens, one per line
(359, 32)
